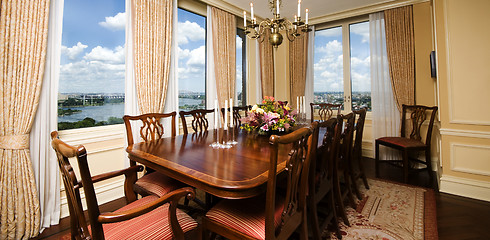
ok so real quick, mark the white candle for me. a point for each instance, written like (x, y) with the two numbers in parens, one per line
(307, 16)
(299, 8)
(231, 112)
(295, 18)
(297, 102)
(226, 114)
(216, 113)
(252, 10)
(300, 105)
(304, 105)
(277, 7)
(245, 18)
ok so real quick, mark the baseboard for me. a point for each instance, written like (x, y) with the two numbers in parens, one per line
(465, 187)
(105, 193)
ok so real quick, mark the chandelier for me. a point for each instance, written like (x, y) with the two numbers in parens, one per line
(293, 30)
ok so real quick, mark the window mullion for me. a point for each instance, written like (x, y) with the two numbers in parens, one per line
(346, 69)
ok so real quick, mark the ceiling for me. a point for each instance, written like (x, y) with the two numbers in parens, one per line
(317, 8)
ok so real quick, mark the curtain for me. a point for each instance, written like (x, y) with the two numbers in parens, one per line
(258, 77)
(309, 95)
(224, 52)
(401, 53)
(172, 98)
(43, 157)
(152, 38)
(385, 116)
(298, 55)
(266, 66)
(211, 91)
(23, 40)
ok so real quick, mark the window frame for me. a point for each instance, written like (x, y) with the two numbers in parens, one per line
(241, 33)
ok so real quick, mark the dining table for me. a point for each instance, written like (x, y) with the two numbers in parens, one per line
(240, 171)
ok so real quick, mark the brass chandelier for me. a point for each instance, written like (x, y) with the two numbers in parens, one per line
(293, 30)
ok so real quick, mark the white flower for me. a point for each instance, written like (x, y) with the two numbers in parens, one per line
(256, 109)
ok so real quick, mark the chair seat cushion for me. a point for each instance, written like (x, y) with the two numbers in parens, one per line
(153, 225)
(245, 215)
(158, 184)
(402, 142)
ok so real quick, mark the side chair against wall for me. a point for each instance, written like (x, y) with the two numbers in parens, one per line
(270, 215)
(321, 176)
(151, 128)
(360, 116)
(325, 110)
(410, 140)
(129, 222)
(199, 121)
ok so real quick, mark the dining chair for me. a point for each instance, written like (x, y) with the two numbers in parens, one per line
(343, 189)
(150, 129)
(237, 116)
(410, 140)
(271, 215)
(320, 194)
(325, 110)
(150, 217)
(199, 121)
(360, 116)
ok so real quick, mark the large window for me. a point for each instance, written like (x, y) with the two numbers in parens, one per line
(91, 85)
(342, 66)
(191, 37)
(240, 86)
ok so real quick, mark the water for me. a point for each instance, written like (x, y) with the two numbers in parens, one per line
(99, 113)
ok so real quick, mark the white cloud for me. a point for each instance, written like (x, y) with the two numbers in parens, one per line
(332, 47)
(238, 42)
(331, 32)
(92, 76)
(361, 29)
(74, 51)
(189, 31)
(115, 23)
(360, 63)
(197, 57)
(106, 55)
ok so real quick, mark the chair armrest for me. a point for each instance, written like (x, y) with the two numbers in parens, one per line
(172, 197)
(126, 171)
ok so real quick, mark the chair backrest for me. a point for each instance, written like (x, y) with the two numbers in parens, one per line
(151, 126)
(303, 143)
(199, 121)
(325, 162)
(325, 110)
(417, 115)
(360, 116)
(237, 114)
(346, 138)
(78, 223)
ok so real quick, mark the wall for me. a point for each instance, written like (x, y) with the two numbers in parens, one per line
(463, 78)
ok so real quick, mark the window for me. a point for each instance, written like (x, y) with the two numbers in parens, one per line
(241, 85)
(191, 37)
(342, 65)
(92, 71)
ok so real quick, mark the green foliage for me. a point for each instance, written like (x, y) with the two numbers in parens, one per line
(88, 122)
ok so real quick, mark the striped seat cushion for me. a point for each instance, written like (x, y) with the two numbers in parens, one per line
(153, 225)
(158, 183)
(245, 215)
(403, 142)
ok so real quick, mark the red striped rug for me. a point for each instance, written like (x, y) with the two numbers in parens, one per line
(392, 211)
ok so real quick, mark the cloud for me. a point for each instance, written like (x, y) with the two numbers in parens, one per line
(238, 42)
(331, 47)
(74, 51)
(197, 57)
(115, 23)
(361, 29)
(330, 32)
(189, 31)
(106, 55)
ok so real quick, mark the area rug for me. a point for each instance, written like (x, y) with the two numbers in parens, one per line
(391, 211)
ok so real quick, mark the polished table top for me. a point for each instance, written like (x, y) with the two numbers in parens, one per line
(237, 172)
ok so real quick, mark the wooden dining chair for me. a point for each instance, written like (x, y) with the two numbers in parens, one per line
(237, 116)
(151, 129)
(199, 121)
(325, 110)
(150, 217)
(320, 193)
(271, 215)
(410, 140)
(359, 173)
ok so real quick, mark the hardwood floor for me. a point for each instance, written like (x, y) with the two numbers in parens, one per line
(457, 217)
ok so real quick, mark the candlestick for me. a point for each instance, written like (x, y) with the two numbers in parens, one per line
(226, 114)
(252, 10)
(295, 18)
(306, 17)
(231, 112)
(245, 17)
(299, 8)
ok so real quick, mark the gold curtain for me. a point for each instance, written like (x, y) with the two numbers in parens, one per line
(266, 66)
(152, 41)
(401, 53)
(23, 40)
(224, 52)
(298, 53)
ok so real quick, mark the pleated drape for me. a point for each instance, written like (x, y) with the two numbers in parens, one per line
(224, 52)
(152, 38)
(266, 66)
(401, 53)
(23, 40)
(298, 55)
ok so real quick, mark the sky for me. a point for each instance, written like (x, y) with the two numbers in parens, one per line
(328, 59)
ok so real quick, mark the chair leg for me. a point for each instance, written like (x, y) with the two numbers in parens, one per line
(303, 235)
(338, 200)
(361, 170)
(405, 166)
(376, 159)
(429, 165)
(313, 216)
(334, 212)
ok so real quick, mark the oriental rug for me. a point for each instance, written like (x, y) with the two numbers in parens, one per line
(391, 211)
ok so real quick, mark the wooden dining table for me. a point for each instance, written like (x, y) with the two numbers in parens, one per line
(237, 172)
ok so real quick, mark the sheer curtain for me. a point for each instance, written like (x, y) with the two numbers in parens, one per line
(258, 75)
(385, 115)
(211, 93)
(309, 70)
(43, 157)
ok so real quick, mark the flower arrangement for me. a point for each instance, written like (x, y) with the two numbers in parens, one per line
(268, 117)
